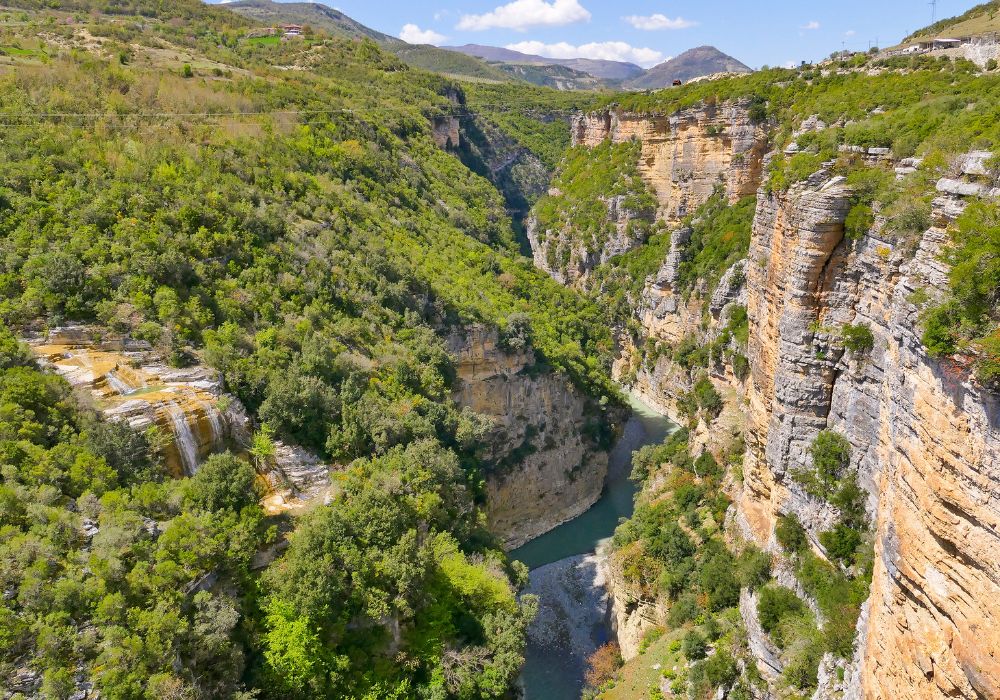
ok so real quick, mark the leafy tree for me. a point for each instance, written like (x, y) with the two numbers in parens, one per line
(791, 535)
(831, 455)
(753, 567)
(775, 603)
(223, 482)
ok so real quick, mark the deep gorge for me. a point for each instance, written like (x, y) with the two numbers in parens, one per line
(375, 383)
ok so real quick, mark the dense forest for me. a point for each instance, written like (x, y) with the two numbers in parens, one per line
(301, 232)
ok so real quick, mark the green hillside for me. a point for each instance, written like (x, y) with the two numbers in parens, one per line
(300, 231)
(337, 24)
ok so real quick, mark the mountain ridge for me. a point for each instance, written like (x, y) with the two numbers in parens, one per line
(693, 63)
(599, 68)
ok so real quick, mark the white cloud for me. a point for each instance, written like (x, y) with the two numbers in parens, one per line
(522, 14)
(658, 21)
(850, 32)
(810, 25)
(605, 50)
(412, 34)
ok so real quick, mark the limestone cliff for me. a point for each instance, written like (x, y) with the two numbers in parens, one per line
(926, 438)
(547, 469)
(580, 257)
(687, 154)
(633, 611)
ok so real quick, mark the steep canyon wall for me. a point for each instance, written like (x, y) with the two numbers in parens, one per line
(925, 435)
(548, 470)
(685, 156)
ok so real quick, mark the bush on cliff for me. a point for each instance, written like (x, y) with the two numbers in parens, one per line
(790, 533)
(858, 338)
(967, 320)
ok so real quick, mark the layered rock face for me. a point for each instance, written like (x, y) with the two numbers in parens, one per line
(549, 470)
(685, 156)
(130, 384)
(926, 438)
(633, 612)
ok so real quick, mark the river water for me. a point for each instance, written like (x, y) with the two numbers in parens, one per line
(573, 617)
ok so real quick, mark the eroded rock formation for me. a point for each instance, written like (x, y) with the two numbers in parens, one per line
(130, 384)
(548, 470)
(926, 437)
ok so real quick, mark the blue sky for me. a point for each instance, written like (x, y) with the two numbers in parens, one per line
(758, 32)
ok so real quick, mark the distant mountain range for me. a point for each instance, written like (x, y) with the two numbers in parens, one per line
(605, 70)
(498, 64)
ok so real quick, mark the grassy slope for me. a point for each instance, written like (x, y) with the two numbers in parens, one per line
(981, 19)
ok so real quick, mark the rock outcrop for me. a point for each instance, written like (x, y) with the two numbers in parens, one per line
(926, 437)
(633, 612)
(548, 471)
(685, 156)
(129, 383)
(583, 256)
(447, 132)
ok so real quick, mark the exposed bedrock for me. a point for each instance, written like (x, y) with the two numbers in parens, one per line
(551, 471)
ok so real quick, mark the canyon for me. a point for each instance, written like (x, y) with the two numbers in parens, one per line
(925, 434)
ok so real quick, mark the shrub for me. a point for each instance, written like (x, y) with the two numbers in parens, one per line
(706, 466)
(991, 65)
(671, 544)
(720, 668)
(802, 668)
(741, 366)
(841, 542)
(850, 501)
(775, 603)
(718, 580)
(186, 71)
(859, 221)
(831, 455)
(791, 535)
(602, 665)
(516, 333)
(683, 610)
(709, 400)
(694, 645)
(858, 338)
(753, 568)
